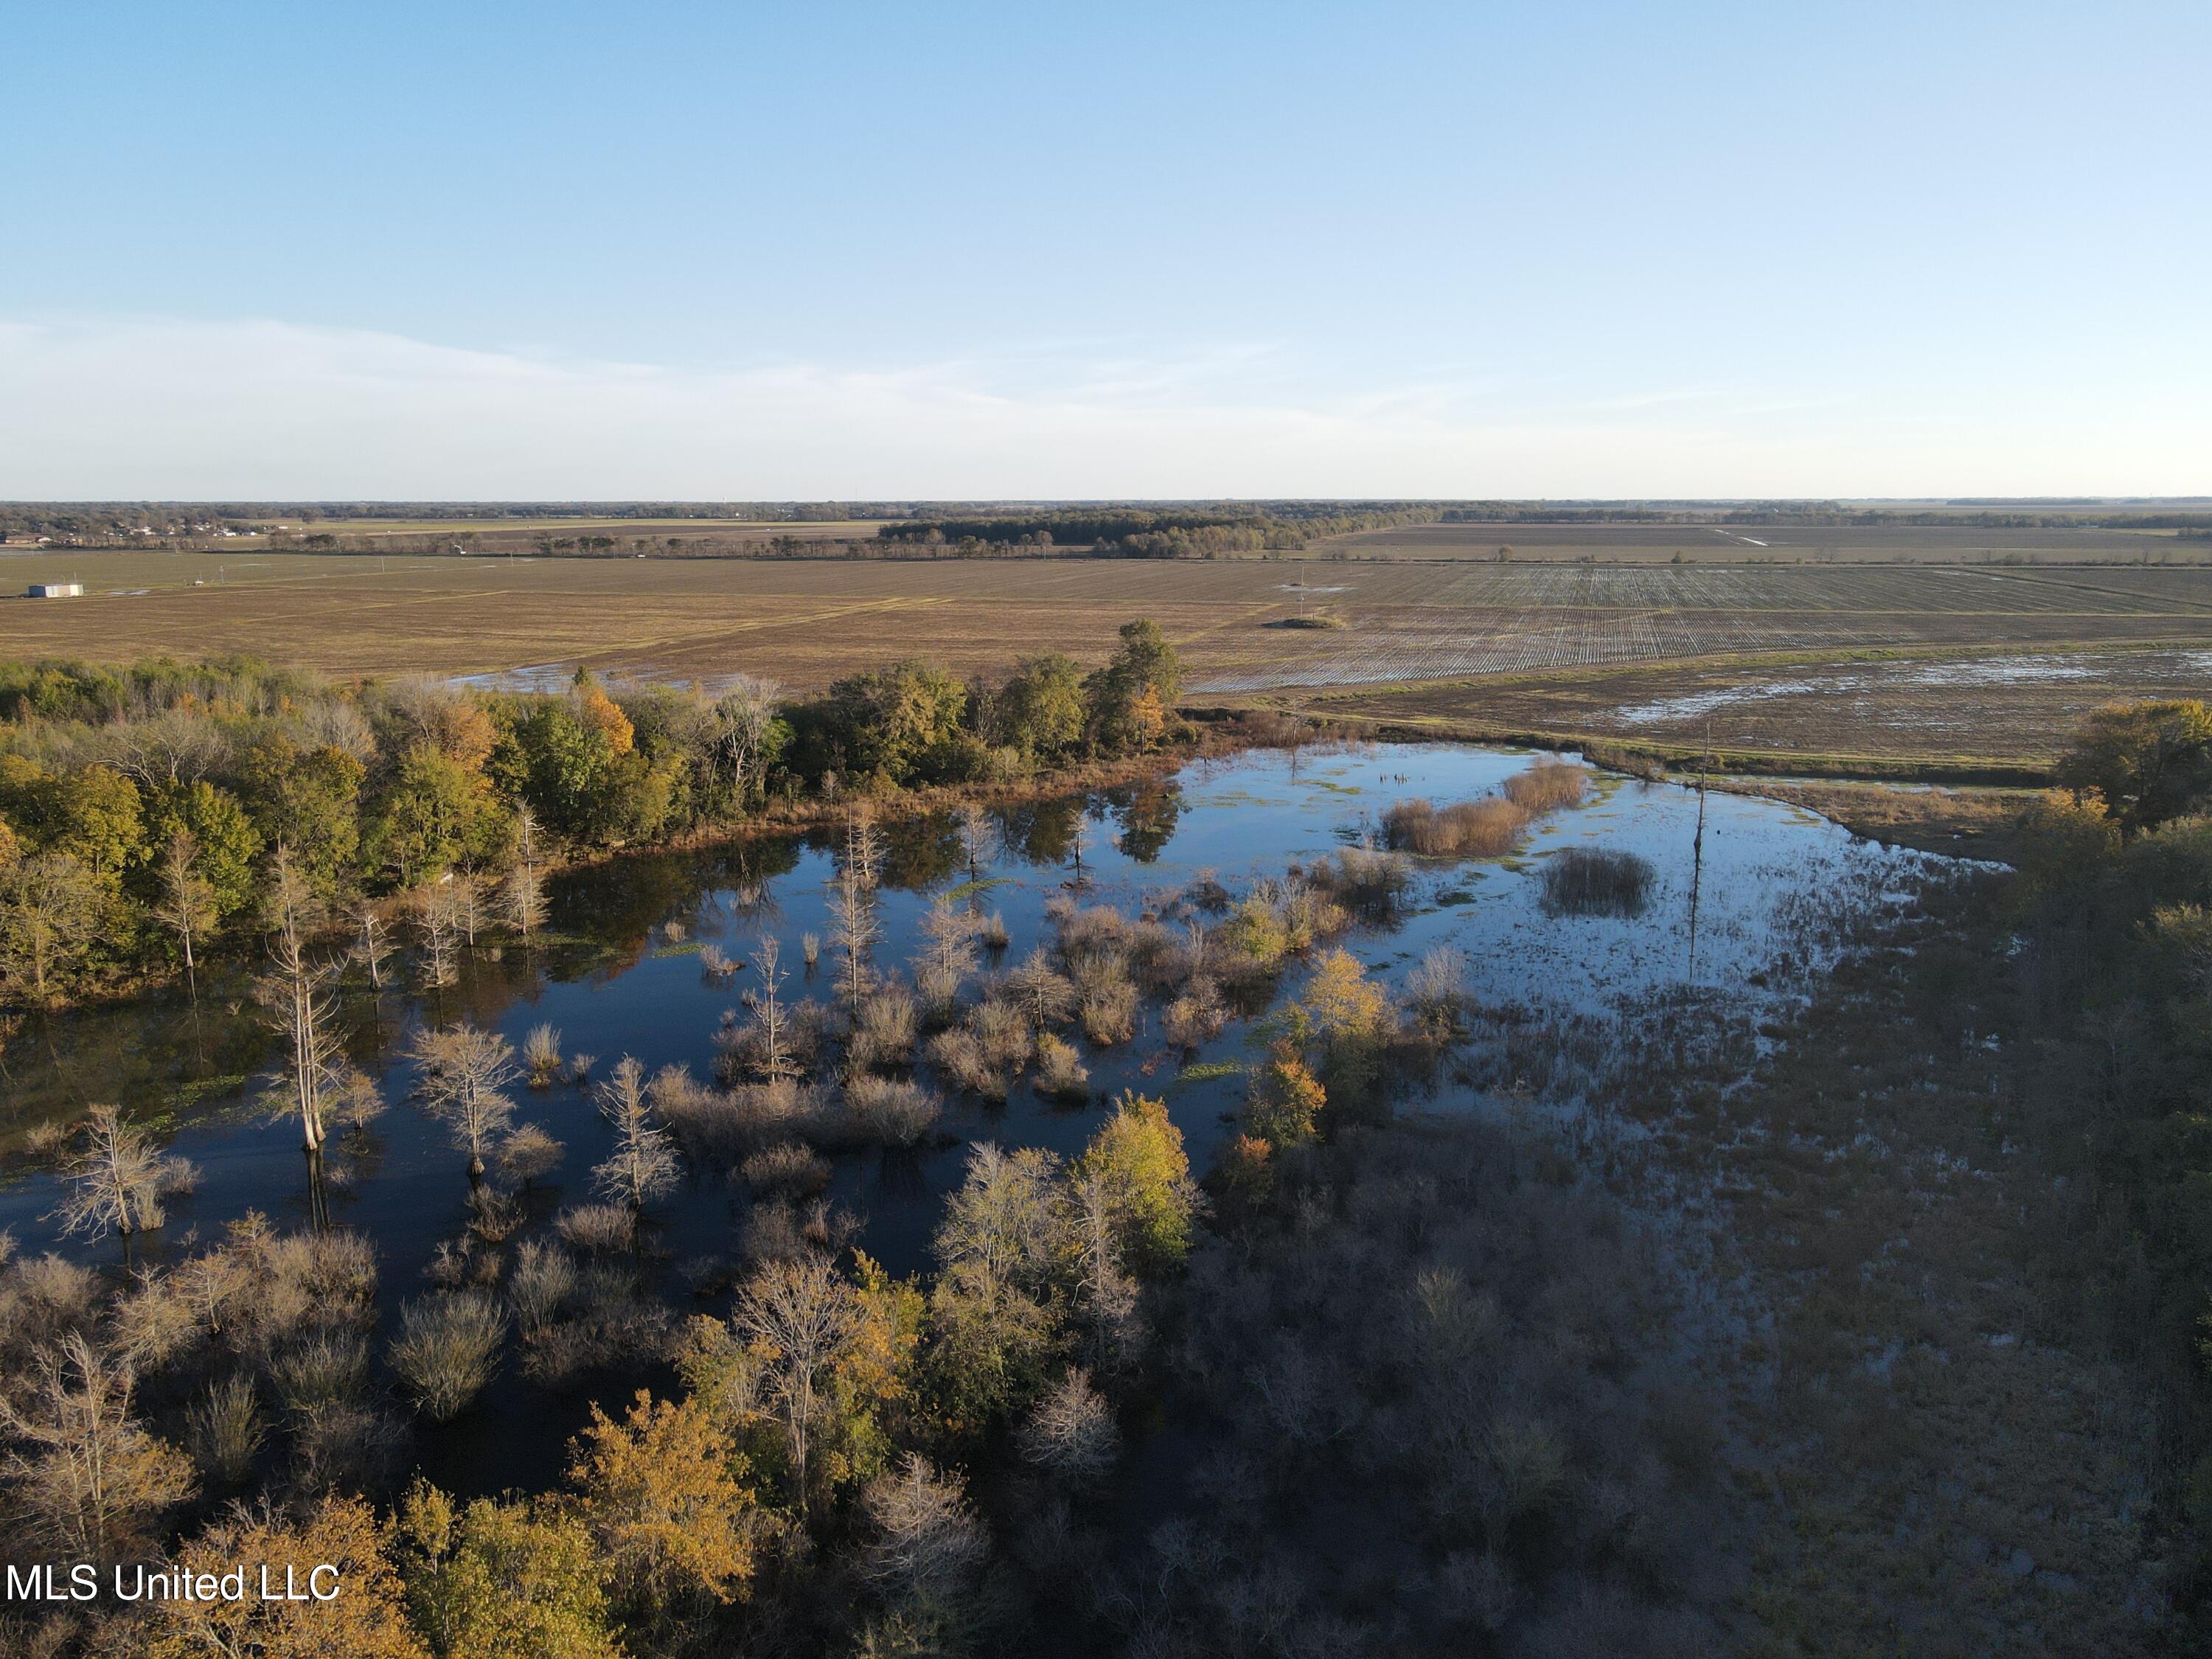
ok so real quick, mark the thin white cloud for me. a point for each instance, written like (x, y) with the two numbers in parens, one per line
(104, 408)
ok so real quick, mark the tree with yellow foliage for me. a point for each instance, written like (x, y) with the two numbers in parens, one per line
(599, 712)
(365, 1620)
(663, 1505)
(1339, 1022)
(1137, 1157)
(503, 1580)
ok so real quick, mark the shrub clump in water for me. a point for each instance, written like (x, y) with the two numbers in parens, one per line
(1597, 881)
(448, 1350)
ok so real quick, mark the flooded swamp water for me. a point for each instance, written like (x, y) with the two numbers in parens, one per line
(1746, 900)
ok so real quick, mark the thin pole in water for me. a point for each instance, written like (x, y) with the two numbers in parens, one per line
(1698, 851)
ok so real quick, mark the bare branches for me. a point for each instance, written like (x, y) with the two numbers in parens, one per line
(770, 1020)
(643, 1165)
(372, 944)
(853, 908)
(185, 903)
(948, 955)
(299, 1000)
(464, 1075)
(436, 911)
(977, 840)
(802, 1314)
(87, 1475)
(116, 1180)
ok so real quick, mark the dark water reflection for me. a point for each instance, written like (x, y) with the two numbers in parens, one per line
(615, 982)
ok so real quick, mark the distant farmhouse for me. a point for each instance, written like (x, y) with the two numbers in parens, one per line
(57, 590)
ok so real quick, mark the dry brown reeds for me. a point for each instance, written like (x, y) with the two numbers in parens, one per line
(786, 1167)
(1485, 828)
(1548, 785)
(890, 1112)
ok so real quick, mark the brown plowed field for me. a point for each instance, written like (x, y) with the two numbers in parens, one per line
(1626, 649)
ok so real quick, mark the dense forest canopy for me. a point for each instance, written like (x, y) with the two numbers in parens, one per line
(142, 810)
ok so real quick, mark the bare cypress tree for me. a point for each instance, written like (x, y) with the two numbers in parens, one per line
(947, 955)
(186, 903)
(642, 1166)
(976, 839)
(288, 905)
(299, 1001)
(803, 1314)
(853, 908)
(437, 927)
(116, 1179)
(864, 846)
(372, 945)
(523, 897)
(464, 1075)
(771, 1020)
(1079, 843)
(468, 888)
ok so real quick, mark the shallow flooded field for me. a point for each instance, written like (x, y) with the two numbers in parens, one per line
(1740, 897)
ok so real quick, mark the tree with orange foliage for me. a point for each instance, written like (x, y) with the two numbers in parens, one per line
(599, 712)
(1286, 1098)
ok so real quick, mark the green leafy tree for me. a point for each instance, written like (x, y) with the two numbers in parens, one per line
(1040, 711)
(308, 801)
(436, 812)
(94, 813)
(576, 764)
(892, 721)
(1131, 696)
(52, 907)
(502, 1580)
(227, 842)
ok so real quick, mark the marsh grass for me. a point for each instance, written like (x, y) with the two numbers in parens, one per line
(447, 1351)
(785, 1168)
(225, 1428)
(327, 1366)
(891, 1112)
(541, 1055)
(1597, 881)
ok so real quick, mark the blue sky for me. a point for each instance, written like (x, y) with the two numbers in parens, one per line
(949, 251)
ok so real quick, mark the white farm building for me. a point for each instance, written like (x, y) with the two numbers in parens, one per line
(57, 590)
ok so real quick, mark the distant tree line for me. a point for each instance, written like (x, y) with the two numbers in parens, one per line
(1162, 533)
(1809, 515)
(145, 812)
